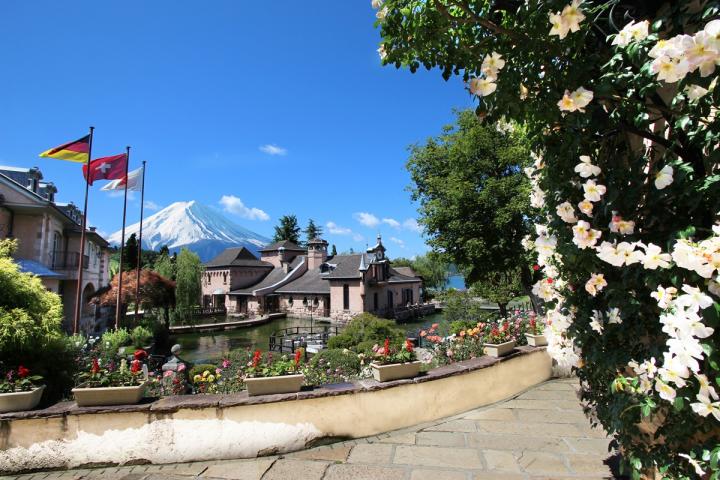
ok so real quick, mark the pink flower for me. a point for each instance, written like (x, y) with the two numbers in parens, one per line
(226, 363)
(169, 373)
(181, 367)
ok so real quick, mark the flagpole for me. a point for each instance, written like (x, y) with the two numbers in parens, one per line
(122, 244)
(139, 255)
(78, 293)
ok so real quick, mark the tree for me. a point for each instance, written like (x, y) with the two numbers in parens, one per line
(619, 103)
(130, 253)
(500, 288)
(165, 264)
(333, 251)
(432, 266)
(287, 229)
(189, 289)
(474, 201)
(312, 230)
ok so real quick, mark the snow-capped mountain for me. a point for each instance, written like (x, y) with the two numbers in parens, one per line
(195, 227)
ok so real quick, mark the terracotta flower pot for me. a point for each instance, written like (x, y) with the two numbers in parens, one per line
(274, 385)
(20, 401)
(536, 340)
(101, 396)
(395, 371)
(499, 349)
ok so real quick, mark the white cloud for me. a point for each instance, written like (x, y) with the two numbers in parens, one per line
(397, 241)
(150, 205)
(271, 149)
(357, 237)
(392, 222)
(367, 219)
(412, 225)
(233, 204)
(336, 229)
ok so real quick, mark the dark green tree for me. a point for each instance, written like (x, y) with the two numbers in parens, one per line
(500, 288)
(312, 230)
(287, 229)
(333, 251)
(474, 198)
(165, 264)
(130, 253)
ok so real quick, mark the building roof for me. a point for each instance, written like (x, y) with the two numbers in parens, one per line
(36, 268)
(237, 257)
(407, 271)
(274, 276)
(286, 244)
(345, 266)
(312, 282)
(398, 277)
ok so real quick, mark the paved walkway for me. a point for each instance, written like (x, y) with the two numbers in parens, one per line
(542, 433)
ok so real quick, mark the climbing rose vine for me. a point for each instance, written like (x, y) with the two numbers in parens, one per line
(620, 100)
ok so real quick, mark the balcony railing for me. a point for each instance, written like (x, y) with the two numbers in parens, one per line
(63, 260)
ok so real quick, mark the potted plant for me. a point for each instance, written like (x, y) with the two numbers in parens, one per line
(499, 342)
(116, 384)
(20, 391)
(272, 377)
(534, 334)
(390, 364)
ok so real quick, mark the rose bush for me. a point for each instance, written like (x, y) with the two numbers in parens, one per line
(619, 99)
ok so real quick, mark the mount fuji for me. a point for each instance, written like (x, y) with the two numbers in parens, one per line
(193, 226)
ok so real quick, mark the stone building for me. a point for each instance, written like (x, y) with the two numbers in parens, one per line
(48, 235)
(303, 282)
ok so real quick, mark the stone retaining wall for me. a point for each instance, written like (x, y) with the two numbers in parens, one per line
(208, 427)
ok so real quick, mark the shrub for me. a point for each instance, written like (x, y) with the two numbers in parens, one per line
(141, 336)
(366, 328)
(200, 368)
(112, 340)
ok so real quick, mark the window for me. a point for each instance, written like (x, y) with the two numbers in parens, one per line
(224, 278)
(375, 301)
(346, 297)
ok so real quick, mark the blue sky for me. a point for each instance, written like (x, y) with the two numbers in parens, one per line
(278, 106)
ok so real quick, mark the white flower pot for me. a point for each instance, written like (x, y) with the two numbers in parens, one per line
(101, 396)
(274, 385)
(536, 340)
(500, 349)
(20, 401)
(395, 371)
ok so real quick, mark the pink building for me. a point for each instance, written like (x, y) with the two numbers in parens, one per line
(301, 282)
(48, 235)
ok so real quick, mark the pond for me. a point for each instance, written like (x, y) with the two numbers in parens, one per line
(212, 346)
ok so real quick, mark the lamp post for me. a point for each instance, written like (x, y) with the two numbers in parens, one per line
(311, 306)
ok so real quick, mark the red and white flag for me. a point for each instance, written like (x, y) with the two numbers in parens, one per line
(134, 182)
(106, 168)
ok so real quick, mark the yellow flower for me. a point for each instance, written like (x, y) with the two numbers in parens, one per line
(197, 378)
(206, 373)
(211, 378)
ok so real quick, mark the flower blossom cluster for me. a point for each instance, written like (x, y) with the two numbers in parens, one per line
(568, 20)
(486, 84)
(675, 57)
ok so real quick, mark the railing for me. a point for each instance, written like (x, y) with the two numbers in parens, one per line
(288, 340)
(188, 316)
(63, 260)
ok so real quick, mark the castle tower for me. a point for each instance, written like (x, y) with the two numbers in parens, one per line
(317, 252)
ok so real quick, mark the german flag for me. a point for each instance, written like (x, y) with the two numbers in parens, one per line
(76, 151)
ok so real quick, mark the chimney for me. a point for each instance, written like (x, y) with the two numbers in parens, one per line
(317, 252)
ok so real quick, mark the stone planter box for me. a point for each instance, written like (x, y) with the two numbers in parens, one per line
(20, 401)
(536, 340)
(102, 396)
(395, 371)
(500, 349)
(273, 385)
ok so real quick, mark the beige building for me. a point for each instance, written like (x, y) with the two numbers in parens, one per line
(48, 235)
(303, 282)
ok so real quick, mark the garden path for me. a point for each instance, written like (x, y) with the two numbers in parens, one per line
(540, 434)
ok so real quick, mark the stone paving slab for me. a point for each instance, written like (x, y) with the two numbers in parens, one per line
(540, 434)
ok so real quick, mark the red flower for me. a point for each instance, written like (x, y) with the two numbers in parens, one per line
(536, 267)
(298, 353)
(135, 366)
(95, 366)
(140, 354)
(257, 356)
(23, 372)
(387, 347)
(549, 280)
(408, 345)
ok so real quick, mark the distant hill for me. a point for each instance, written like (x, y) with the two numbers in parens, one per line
(194, 226)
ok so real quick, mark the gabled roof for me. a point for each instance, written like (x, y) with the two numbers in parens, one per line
(312, 282)
(398, 277)
(407, 271)
(286, 244)
(345, 266)
(36, 268)
(237, 257)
